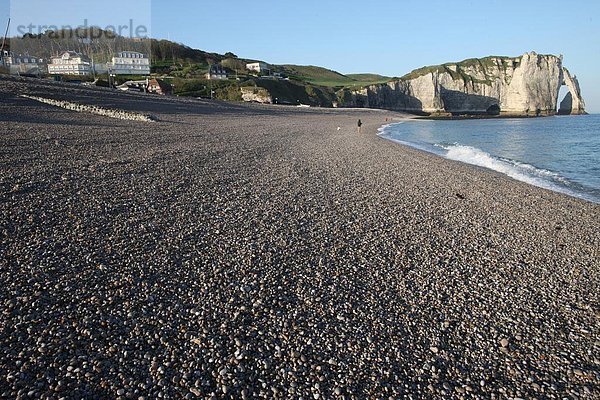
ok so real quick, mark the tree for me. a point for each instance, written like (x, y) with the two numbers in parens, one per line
(234, 64)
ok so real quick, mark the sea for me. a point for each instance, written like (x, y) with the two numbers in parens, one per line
(560, 153)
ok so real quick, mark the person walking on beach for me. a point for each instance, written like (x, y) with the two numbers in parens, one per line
(359, 126)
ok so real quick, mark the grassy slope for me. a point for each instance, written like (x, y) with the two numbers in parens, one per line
(369, 78)
(189, 65)
(314, 75)
(325, 77)
(483, 63)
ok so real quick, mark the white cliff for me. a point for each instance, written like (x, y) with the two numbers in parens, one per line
(533, 89)
(520, 86)
(573, 103)
(256, 95)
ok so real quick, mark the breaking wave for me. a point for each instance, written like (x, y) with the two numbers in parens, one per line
(515, 169)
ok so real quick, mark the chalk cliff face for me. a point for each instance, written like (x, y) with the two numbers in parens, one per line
(523, 86)
(573, 102)
(256, 95)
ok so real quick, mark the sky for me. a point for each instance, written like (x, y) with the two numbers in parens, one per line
(351, 36)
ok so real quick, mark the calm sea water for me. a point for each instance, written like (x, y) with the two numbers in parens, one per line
(559, 153)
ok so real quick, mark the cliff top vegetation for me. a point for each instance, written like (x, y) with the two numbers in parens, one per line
(460, 70)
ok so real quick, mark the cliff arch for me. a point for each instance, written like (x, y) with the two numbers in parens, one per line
(573, 103)
(529, 85)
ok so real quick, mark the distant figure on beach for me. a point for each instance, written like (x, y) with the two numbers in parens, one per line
(359, 126)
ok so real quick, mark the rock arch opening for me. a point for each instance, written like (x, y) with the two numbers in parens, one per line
(562, 93)
(494, 109)
(572, 103)
(563, 105)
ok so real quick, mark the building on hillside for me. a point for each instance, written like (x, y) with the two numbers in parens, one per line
(4, 58)
(259, 67)
(23, 64)
(130, 63)
(158, 86)
(101, 68)
(70, 63)
(216, 72)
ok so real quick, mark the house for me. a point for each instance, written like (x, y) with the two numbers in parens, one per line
(70, 63)
(216, 72)
(259, 67)
(158, 86)
(4, 58)
(101, 68)
(23, 64)
(130, 63)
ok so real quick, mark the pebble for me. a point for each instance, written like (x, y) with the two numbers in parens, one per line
(250, 251)
(118, 114)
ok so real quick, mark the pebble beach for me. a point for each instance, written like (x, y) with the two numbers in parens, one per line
(237, 251)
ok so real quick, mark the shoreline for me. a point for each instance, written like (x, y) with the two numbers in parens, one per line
(525, 179)
(462, 117)
(235, 250)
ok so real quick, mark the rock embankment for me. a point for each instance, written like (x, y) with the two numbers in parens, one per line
(105, 112)
(256, 95)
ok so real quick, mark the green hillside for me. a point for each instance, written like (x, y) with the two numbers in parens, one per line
(369, 78)
(314, 75)
(325, 77)
(185, 67)
(458, 70)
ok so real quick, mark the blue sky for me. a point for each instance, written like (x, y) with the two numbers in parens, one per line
(350, 36)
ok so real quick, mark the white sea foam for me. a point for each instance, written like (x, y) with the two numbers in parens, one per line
(471, 155)
(385, 128)
(409, 144)
(517, 170)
